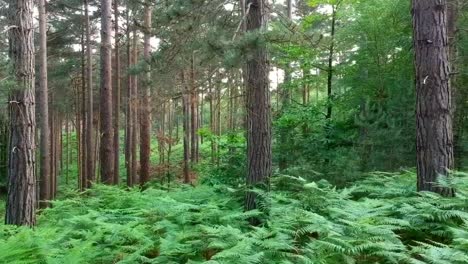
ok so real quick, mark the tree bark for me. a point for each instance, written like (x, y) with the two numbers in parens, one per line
(134, 103)
(21, 201)
(193, 115)
(186, 126)
(67, 156)
(331, 53)
(107, 135)
(43, 108)
(129, 128)
(90, 171)
(145, 115)
(434, 102)
(258, 110)
(52, 151)
(116, 93)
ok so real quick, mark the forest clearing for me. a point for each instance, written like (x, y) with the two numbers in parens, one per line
(234, 131)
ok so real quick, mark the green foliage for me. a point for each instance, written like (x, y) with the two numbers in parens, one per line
(230, 161)
(379, 220)
(372, 93)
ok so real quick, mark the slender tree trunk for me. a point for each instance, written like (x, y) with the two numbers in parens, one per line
(202, 116)
(457, 91)
(331, 53)
(56, 160)
(193, 115)
(90, 174)
(129, 128)
(186, 126)
(107, 135)
(116, 94)
(67, 163)
(218, 120)
(145, 115)
(52, 151)
(78, 137)
(134, 103)
(43, 108)
(84, 142)
(434, 102)
(286, 97)
(171, 139)
(21, 201)
(212, 119)
(258, 110)
(82, 179)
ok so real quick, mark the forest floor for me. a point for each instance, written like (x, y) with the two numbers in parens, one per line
(379, 220)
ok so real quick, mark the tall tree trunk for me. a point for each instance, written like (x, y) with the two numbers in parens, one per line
(193, 115)
(212, 119)
(81, 115)
(78, 136)
(90, 174)
(52, 151)
(21, 201)
(218, 119)
(286, 97)
(434, 103)
(258, 110)
(145, 115)
(67, 163)
(43, 108)
(129, 128)
(186, 126)
(116, 93)
(331, 53)
(134, 103)
(457, 91)
(106, 137)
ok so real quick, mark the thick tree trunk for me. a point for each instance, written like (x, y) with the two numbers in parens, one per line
(21, 201)
(434, 103)
(258, 110)
(107, 133)
(43, 108)
(145, 115)
(116, 94)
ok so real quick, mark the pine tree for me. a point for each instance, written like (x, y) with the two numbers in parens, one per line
(107, 135)
(43, 108)
(145, 114)
(434, 103)
(259, 160)
(21, 200)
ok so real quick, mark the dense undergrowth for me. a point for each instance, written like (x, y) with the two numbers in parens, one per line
(379, 220)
